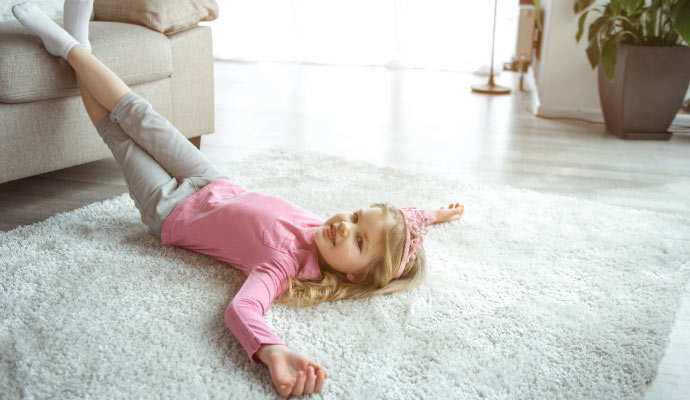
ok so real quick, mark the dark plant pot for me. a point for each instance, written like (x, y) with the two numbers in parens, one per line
(647, 91)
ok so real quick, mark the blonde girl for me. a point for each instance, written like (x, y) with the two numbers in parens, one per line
(287, 253)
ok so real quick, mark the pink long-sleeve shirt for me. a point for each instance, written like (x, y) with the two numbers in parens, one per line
(266, 237)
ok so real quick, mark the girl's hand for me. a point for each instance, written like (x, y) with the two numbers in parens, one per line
(452, 213)
(292, 373)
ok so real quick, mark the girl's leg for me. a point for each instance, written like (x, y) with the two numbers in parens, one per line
(94, 109)
(154, 191)
(140, 121)
(170, 148)
(103, 84)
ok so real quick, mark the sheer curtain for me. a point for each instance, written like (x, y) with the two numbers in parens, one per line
(434, 34)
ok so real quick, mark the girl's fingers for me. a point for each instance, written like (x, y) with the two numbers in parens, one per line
(311, 381)
(284, 390)
(320, 379)
(299, 386)
(317, 368)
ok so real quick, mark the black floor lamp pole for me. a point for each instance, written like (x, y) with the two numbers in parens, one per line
(491, 87)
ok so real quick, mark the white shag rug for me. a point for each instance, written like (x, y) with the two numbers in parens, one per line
(529, 296)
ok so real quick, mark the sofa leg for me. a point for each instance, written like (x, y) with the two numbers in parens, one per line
(196, 141)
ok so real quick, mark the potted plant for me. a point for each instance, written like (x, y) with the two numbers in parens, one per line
(641, 49)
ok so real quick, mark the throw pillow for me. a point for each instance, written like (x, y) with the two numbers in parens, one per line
(165, 16)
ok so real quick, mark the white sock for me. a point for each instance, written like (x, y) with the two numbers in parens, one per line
(56, 40)
(76, 15)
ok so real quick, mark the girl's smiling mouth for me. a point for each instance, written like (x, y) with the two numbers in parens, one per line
(331, 233)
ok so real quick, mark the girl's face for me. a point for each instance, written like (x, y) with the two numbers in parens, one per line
(349, 242)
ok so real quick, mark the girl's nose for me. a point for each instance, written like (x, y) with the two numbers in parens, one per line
(344, 230)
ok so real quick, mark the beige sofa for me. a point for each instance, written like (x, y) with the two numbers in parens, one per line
(169, 61)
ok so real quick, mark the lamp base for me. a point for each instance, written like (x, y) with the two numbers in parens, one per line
(490, 88)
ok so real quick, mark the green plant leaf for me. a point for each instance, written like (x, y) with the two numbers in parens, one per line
(674, 39)
(650, 23)
(595, 26)
(581, 5)
(593, 52)
(633, 22)
(621, 36)
(607, 11)
(580, 26)
(631, 5)
(680, 15)
(609, 56)
(622, 18)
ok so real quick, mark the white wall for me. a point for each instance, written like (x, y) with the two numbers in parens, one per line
(566, 85)
(439, 34)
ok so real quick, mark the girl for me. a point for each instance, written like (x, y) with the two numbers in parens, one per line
(287, 253)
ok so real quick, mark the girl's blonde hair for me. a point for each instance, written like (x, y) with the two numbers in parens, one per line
(378, 278)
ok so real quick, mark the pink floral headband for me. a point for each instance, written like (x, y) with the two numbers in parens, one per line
(416, 222)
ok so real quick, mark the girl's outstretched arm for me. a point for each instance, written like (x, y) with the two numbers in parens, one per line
(291, 372)
(452, 213)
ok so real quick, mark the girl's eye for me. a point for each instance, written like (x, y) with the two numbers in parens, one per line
(360, 241)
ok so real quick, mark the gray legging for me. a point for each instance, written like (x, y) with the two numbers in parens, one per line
(161, 167)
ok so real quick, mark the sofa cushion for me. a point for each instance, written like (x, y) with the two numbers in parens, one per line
(29, 73)
(165, 16)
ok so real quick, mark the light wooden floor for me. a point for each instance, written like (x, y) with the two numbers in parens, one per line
(411, 119)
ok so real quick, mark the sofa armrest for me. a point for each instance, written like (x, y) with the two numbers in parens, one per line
(165, 16)
(192, 81)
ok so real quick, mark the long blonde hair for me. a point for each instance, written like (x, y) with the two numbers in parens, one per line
(378, 278)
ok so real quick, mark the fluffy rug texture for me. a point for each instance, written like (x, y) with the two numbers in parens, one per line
(530, 295)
